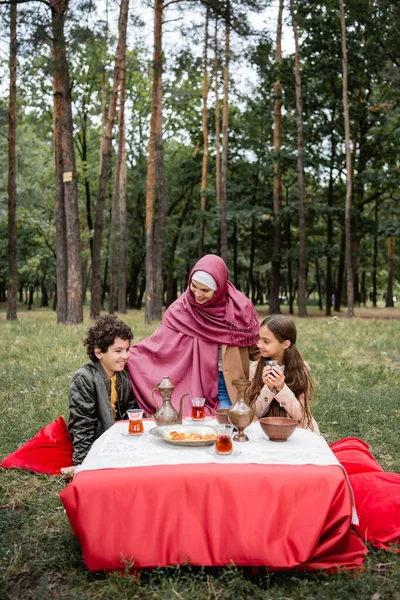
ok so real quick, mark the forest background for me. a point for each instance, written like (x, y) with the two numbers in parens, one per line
(131, 155)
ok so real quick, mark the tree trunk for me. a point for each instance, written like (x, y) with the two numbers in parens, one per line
(67, 213)
(252, 259)
(105, 166)
(12, 171)
(363, 290)
(274, 306)
(155, 178)
(162, 202)
(61, 227)
(217, 121)
(235, 254)
(44, 300)
(104, 86)
(88, 196)
(302, 310)
(375, 259)
(112, 298)
(142, 290)
(291, 292)
(120, 199)
(30, 297)
(319, 287)
(203, 189)
(225, 122)
(329, 227)
(340, 277)
(347, 218)
(389, 294)
(122, 206)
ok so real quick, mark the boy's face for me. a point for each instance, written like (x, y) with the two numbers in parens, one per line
(115, 358)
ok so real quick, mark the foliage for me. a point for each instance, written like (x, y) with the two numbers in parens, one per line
(374, 91)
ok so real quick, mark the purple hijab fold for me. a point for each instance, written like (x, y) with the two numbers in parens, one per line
(185, 345)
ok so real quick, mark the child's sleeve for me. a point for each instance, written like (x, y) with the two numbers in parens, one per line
(262, 404)
(290, 403)
(82, 416)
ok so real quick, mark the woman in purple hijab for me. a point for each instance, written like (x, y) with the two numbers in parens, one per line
(205, 340)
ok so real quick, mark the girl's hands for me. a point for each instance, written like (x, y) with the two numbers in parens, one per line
(273, 378)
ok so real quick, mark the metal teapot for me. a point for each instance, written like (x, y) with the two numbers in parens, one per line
(166, 413)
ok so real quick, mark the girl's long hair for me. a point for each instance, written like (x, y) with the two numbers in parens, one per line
(297, 375)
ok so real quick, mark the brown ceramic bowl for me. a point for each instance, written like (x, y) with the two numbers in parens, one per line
(278, 429)
(221, 414)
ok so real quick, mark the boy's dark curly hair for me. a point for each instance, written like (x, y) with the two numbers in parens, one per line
(103, 333)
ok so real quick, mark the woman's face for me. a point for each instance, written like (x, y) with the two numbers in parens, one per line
(269, 345)
(201, 292)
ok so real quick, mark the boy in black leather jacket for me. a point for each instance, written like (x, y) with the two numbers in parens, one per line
(100, 392)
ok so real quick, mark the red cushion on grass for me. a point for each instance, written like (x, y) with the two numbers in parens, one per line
(354, 455)
(46, 452)
(377, 499)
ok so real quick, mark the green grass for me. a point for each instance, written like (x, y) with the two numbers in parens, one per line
(357, 367)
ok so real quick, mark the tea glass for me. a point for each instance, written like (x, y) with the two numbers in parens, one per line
(135, 416)
(271, 363)
(224, 439)
(198, 412)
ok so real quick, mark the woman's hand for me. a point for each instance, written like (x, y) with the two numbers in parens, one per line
(273, 378)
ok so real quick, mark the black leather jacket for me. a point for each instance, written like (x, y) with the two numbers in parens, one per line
(90, 411)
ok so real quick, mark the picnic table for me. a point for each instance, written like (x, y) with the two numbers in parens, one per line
(145, 503)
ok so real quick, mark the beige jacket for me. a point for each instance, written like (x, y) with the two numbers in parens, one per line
(286, 399)
(235, 365)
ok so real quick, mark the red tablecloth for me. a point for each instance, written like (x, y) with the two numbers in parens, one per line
(280, 516)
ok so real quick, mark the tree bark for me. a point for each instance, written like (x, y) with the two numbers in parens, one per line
(204, 117)
(61, 88)
(389, 294)
(217, 121)
(112, 297)
(225, 124)
(155, 182)
(347, 218)
(302, 310)
(104, 85)
(12, 171)
(252, 260)
(274, 305)
(119, 200)
(319, 286)
(105, 166)
(88, 196)
(61, 226)
(162, 202)
(341, 270)
(375, 258)
(235, 254)
(329, 227)
(122, 207)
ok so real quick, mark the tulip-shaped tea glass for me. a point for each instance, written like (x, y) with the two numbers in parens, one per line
(198, 412)
(224, 439)
(135, 416)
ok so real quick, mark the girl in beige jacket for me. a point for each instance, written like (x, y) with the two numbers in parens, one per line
(281, 381)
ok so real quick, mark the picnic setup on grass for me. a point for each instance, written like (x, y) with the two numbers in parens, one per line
(219, 490)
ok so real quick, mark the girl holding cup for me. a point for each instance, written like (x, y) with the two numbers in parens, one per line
(281, 381)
